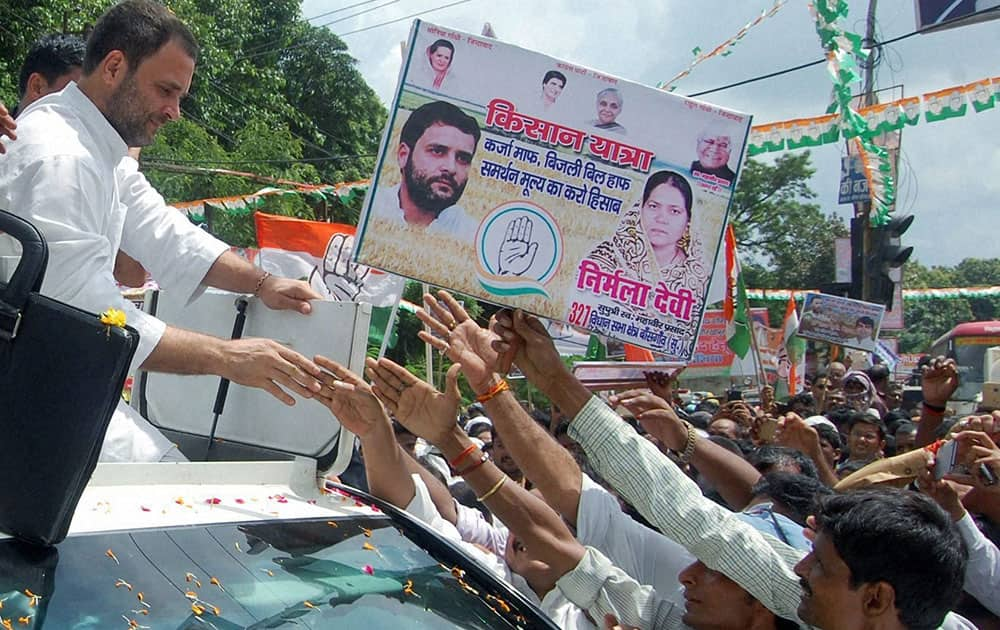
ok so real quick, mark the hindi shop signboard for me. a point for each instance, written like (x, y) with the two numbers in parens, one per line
(531, 182)
(841, 321)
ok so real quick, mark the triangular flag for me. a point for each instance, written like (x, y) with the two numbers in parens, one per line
(734, 307)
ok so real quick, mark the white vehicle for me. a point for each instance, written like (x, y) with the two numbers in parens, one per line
(258, 546)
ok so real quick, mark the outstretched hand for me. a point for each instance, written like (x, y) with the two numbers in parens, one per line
(270, 366)
(460, 338)
(425, 411)
(349, 398)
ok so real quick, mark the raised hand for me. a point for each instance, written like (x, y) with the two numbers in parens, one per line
(517, 251)
(534, 352)
(737, 411)
(939, 382)
(984, 423)
(460, 338)
(793, 432)
(943, 492)
(666, 426)
(662, 383)
(349, 398)
(423, 410)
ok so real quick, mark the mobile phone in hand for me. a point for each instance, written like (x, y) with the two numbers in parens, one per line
(944, 461)
(768, 427)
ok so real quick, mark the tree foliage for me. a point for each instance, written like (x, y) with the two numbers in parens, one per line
(785, 240)
(926, 320)
(272, 95)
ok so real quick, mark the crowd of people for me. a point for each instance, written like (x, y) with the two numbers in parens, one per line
(633, 511)
(831, 509)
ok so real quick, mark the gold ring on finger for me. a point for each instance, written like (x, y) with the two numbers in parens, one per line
(451, 325)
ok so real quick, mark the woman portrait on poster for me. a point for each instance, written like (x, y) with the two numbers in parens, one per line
(609, 106)
(654, 241)
(437, 70)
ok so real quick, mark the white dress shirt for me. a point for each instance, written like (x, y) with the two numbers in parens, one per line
(452, 221)
(554, 604)
(69, 175)
(645, 554)
(982, 575)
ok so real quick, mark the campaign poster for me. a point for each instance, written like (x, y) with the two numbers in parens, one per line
(841, 321)
(536, 183)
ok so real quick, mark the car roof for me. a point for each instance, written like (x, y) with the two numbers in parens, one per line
(142, 496)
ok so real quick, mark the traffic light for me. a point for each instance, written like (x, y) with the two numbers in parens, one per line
(886, 256)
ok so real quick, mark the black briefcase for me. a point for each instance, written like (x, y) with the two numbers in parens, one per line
(61, 375)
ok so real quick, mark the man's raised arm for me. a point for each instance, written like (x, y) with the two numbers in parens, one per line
(549, 466)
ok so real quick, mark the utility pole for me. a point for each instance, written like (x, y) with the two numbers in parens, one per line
(863, 209)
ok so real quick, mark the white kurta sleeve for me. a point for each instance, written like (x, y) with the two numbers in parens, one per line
(173, 250)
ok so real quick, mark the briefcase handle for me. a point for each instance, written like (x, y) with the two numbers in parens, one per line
(27, 276)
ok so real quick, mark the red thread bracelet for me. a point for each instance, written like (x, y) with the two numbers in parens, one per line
(502, 386)
(458, 460)
(483, 458)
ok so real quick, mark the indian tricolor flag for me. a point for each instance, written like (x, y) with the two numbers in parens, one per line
(795, 348)
(321, 254)
(734, 307)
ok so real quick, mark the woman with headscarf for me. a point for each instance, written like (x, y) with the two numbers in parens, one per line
(654, 243)
(437, 69)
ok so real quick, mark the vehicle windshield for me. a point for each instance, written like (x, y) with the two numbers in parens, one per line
(358, 572)
(969, 354)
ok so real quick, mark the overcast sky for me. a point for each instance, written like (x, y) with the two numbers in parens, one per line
(949, 171)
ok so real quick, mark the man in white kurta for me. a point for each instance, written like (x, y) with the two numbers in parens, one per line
(68, 174)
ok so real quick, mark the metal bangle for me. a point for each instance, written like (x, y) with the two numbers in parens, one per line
(689, 444)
